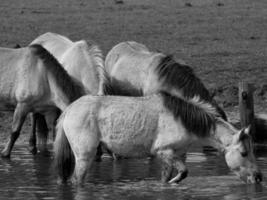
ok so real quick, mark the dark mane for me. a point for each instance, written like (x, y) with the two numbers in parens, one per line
(112, 86)
(72, 88)
(195, 119)
(182, 77)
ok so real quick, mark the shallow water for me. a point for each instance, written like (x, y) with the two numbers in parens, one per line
(32, 177)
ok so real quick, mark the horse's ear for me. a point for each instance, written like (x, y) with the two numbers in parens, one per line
(245, 132)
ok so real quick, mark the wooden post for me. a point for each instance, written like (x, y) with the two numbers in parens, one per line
(246, 106)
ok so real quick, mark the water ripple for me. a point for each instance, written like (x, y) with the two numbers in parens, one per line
(32, 177)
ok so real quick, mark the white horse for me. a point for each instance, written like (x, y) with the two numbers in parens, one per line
(83, 62)
(162, 124)
(31, 80)
(134, 70)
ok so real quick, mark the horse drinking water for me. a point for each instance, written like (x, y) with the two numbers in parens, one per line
(32, 80)
(162, 124)
(134, 70)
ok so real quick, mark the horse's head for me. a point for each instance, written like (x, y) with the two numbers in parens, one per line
(240, 157)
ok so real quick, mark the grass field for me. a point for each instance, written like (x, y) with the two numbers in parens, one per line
(225, 41)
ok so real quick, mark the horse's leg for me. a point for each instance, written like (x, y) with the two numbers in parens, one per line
(32, 140)
(179, 164)
(166, 156)
(19, 116)
(81, 167)
(51, 119)
(42, 132)
(99, 153)
(84, 148)
(84, 156)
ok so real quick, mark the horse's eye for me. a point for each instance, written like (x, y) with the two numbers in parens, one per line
(244, 154)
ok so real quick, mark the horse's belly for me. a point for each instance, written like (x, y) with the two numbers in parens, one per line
(127, 149)
(128, 126)
(129, 137)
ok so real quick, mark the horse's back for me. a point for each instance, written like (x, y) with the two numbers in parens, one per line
(128, 64)
(123, 124)
(82, 62)
(56, 44)
(129, 49)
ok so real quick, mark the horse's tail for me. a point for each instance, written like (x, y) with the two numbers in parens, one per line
(64, 157)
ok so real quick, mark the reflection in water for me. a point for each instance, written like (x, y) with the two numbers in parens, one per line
(32, 177)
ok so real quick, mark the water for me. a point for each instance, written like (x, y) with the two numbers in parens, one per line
(32, 177)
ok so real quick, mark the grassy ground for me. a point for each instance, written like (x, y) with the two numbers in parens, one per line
(223, 40)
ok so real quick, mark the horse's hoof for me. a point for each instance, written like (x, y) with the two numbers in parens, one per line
(45, 153)
(33, 150)
(117, 157)
(180, 176)
(5, 155)
(60, 181)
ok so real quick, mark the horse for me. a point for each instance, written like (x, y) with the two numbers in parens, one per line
(161, 124)
(83, 62)
(32, 80)
(134, 70)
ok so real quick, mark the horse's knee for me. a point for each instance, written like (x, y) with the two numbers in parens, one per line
(14, 135)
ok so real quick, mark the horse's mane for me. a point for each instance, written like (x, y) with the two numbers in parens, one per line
(97, 57)
(182, 78)
(112, 86)
(72, 88)
(179, 76)
(198, 116)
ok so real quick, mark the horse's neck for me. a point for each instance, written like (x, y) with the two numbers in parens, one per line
(61, 97)
(81, 66)
(222, 137)
(151, 82)
(64, 89)
(56, 44)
